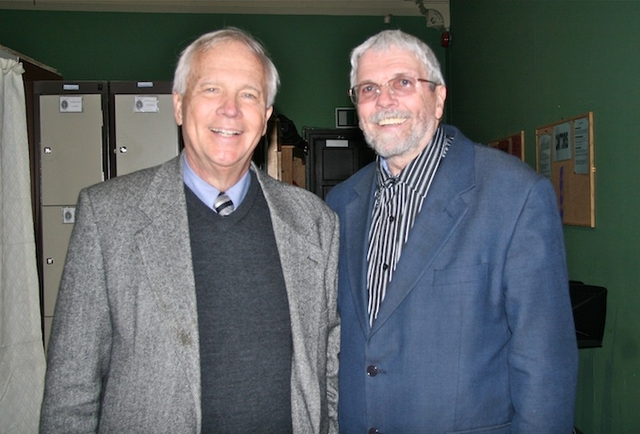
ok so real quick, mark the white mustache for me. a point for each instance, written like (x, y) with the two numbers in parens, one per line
(388, 114)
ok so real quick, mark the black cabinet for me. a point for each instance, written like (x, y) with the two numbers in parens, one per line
(333, 155)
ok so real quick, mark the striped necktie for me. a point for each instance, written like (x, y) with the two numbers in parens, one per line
(223, 204)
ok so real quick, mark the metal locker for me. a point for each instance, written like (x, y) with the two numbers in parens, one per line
(88, 132)
(71, 142)
(71, 135)
(143, 129)
(57, 224)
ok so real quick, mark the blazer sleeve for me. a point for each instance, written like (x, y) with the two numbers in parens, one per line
(78, 353)
(543, 357)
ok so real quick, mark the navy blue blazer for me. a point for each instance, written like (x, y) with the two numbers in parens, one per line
(476, 331)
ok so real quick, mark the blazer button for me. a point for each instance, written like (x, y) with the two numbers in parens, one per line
(373, 431)
(372, 371)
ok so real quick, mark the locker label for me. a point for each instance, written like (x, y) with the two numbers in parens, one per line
(145, 104)
(70, 104)
(68, 215)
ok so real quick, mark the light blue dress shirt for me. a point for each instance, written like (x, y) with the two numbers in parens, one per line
(208, 193)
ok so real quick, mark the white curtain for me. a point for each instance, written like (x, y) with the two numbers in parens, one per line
(22, 362)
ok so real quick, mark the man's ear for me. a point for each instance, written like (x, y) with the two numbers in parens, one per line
(177, 107)
(266, 119)
(441, 95)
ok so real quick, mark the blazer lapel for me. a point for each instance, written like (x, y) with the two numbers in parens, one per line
(296, 245)
(357, 222)
(441, 213)
(301, 258)
(166, 252)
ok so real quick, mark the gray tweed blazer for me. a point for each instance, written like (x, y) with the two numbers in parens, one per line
(124, 354)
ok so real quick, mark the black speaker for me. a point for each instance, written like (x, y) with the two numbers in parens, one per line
(589, 313)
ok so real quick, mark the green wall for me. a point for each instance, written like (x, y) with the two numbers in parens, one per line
(311, 52)
(519, 65)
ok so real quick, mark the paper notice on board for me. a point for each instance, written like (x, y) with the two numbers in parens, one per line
(562, 141)
(581, 146)
(544, 155)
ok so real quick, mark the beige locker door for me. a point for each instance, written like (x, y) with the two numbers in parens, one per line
(71, 146)
(145, 130)
(57, 224)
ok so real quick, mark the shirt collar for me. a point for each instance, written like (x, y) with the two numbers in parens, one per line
(208, 193)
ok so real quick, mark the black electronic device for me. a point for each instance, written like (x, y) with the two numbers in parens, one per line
(589, 305)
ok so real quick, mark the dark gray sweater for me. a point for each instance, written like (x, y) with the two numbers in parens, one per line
(243, 318)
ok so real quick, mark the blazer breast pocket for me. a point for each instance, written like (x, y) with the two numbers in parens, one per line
(498, 429)
(462, 277)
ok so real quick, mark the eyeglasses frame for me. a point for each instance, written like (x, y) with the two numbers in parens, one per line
(354, 99)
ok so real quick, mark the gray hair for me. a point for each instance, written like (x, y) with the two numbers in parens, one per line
(386, 39)
(210, 40)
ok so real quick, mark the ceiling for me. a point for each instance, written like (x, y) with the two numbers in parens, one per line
(437, 15)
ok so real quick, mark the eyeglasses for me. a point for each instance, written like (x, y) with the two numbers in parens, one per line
(398, 86)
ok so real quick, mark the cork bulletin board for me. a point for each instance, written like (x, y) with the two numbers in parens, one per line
(564, 154)
(513, 144)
